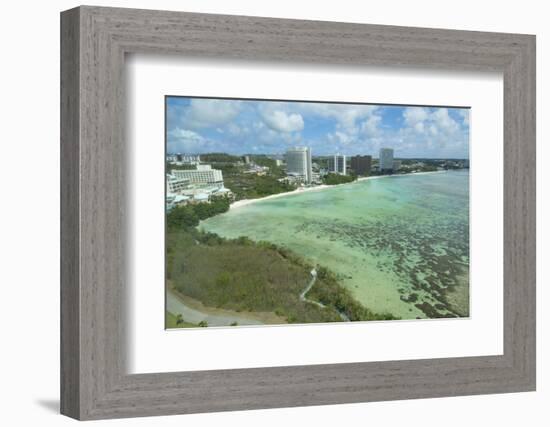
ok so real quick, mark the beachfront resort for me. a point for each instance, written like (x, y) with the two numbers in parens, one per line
(192, 180)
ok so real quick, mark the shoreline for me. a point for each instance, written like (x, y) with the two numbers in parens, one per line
(377, 297)
(245, 202)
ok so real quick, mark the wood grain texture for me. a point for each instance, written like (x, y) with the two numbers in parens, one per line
(70, 291)
(94, 382)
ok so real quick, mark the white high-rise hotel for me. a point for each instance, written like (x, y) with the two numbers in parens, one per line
(298, 162)
(337, 164)
(386, 159)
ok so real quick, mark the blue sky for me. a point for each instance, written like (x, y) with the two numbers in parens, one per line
(200, 125)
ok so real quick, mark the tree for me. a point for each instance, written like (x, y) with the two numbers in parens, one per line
(182, 217)
(335, 179)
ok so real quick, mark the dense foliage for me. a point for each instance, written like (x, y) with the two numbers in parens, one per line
(242, 275)
(262, 160)
(252, 186)
(335, 179)
(220, 157)
(190, 215)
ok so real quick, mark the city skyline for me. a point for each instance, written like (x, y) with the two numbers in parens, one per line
(200, 125)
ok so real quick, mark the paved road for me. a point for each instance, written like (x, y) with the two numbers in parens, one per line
(176, 306)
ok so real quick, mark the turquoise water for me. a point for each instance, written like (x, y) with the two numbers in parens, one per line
(399, 243)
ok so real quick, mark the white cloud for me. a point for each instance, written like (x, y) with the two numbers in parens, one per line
(414, 115)
(346, 116)
(281, 121)
(443, 121)
(186, 134)
(437, 122)
(185, 140)
(202, 113)
(434, 129)
(339, 137)
(371, 125)
(419, 127)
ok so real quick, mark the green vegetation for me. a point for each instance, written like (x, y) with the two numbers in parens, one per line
(190, 215)
(335, 179)
(220, 158)
(242, 275)
(252, 186)
(274, 170)
(176, 321)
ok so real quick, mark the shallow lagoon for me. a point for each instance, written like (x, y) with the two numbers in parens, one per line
(399, 243)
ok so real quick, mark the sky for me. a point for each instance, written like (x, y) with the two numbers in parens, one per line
(206, 125)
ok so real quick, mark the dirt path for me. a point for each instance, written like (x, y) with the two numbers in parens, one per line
(317, 303)
(308, 288)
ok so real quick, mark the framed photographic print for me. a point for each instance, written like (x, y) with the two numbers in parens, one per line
(268, 231)
(281, 213)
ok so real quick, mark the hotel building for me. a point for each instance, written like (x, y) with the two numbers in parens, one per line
(203, 175)
(386, 160)
(337, 164)
(361, 165)
(189, 158)
(176, 185)
(298, 163)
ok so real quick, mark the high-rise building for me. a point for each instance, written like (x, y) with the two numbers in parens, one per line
(396, 165)
(386, 160)
(361, 165)
(203, 175)
(298, 163)
(176, 185)
(337, 164)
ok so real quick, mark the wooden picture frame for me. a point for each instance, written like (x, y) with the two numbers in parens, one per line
(94, 382)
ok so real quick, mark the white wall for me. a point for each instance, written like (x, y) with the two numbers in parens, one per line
(29, 226)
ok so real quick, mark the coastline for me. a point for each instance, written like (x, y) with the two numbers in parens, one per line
(351, 250)
(245, 202)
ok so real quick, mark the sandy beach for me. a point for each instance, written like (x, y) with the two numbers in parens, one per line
(245, 202)
(300, 190)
